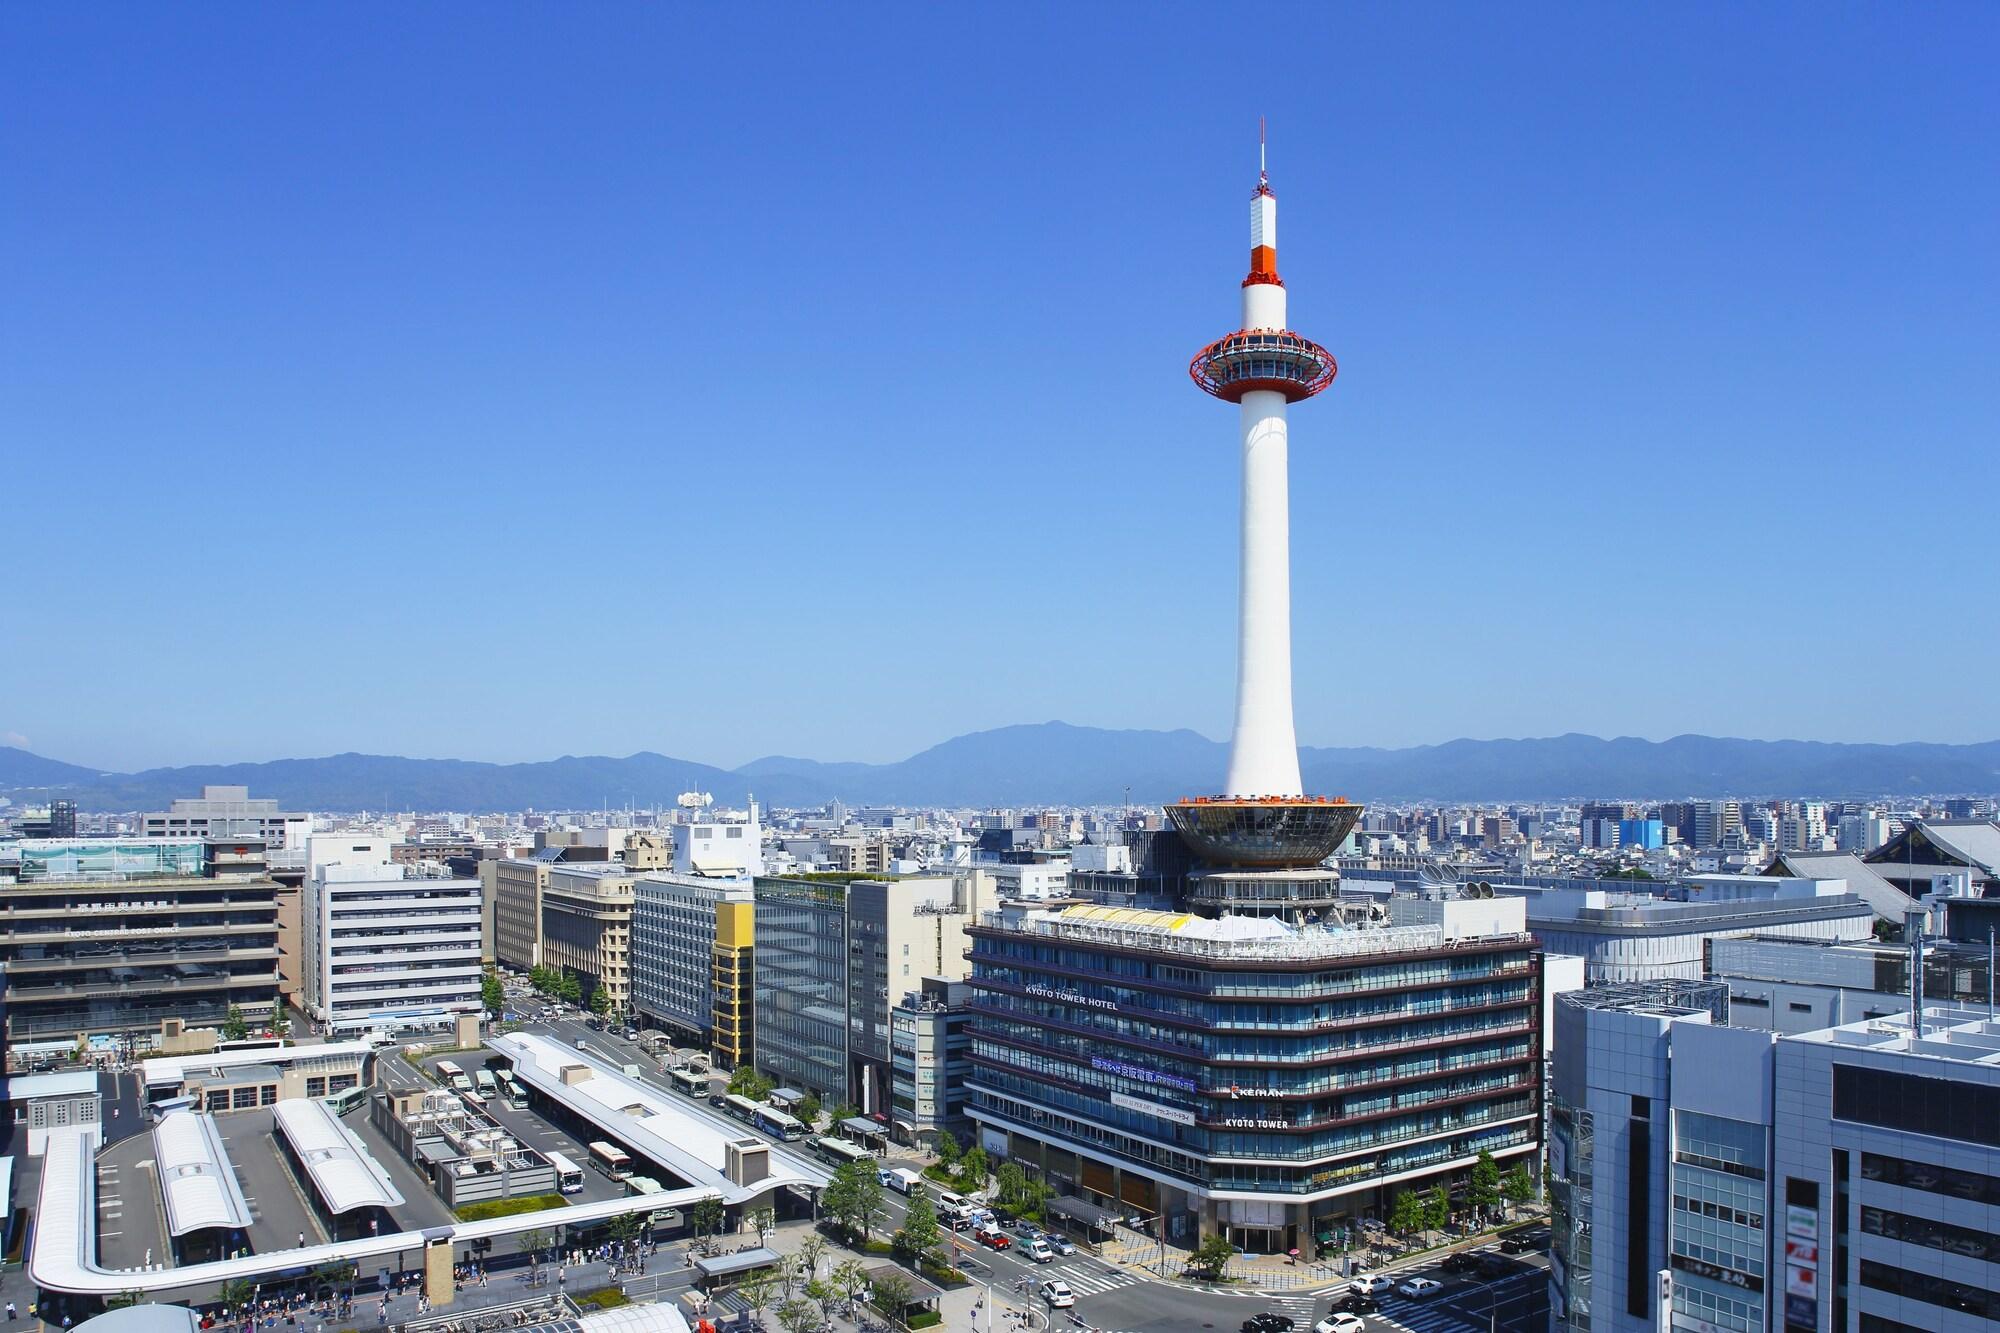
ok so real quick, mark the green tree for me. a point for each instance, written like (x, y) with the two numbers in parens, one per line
(800, 1316)
(1010, 1183)
(234, 1026)
(972, 1170)
(281, 1023)
(543, 980)
(808, 1110)
(707, 1217)
(892, 1296)
(1517, 1186)
(534, 1244)
(234, 1294)
(747, 1082)
(1407, 1214)
(1437, 1209)
(1485, 1191)
(853, 1198)
(812, 1252)
(569, 989)
(849, 1278)
(948, 1150)
(1211, 1257)
(921, 1233)
(625, 1228)
(759, 1290)
(764, 1219)
(600, 1001)
(845, 1111)
(492, 994)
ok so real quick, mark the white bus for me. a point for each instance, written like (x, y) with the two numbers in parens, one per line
(512, 1088)
(569, 1176)
(486, 1083)
(741, 1107)
(840, 1152)
(689, 1082)
(612, 1161)
(453, 1077)
(777, 1124)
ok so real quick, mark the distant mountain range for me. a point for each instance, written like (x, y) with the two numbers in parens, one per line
(1053, 763)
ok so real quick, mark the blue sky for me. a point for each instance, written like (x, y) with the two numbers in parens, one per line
(507, 381)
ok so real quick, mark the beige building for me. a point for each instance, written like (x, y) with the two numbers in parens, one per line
(587, 928)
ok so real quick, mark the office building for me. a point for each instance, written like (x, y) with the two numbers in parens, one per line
(229, 812)
(388, 949)
(929, 1043)
(105, 937)
(1245, 1076)
(1717, 823)
(587, 929)
(834, 956)
(1794, 986)
(677, 929)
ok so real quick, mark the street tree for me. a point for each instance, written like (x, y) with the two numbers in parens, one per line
(948, 1150)
(759, 1290)
(849, 1278)
(533, 1244)
(1010, 1182)
(1517, 1186)
(707, 1217)
(853, 1198)
(600, 1001)
(808, 1111)
(235, 1027)
(1406, 1216)
(1485, 1183)
(921, 1233)
(569, 989)
(972, 1170)
(1437, 1209)
(492, 994)
(764, 1219)
(1211, 1257)
(812, 1252)
(800, 1316)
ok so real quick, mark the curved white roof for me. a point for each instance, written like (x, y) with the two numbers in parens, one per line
(196, 1182)
(342, 1170)
(665, 1127)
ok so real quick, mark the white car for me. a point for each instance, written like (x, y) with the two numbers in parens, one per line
(1416, 1288)
(1040, 1251)
(1341, 1321)
(1058, 1295)
(1369, 1284)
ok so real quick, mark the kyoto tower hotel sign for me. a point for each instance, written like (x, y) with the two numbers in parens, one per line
(1264, 818)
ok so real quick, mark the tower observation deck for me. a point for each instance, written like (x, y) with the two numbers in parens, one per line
(1264, 818)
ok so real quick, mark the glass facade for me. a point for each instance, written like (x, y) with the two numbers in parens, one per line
(800, 980)
(1717, 1230)
(1275, 1072)
(673, 948)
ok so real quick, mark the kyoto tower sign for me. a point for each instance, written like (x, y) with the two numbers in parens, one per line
(1264, 817)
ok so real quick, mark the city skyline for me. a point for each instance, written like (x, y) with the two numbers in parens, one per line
(368, 341)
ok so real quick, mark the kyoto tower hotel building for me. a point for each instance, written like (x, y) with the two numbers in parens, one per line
(1229, 1058)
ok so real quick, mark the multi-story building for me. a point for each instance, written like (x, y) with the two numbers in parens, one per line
(1933, 852)
(385, 949)
(928, 1044)
(102, 936)
(587, 929)
(229, 812)
(1845, 1180)
(1795, 986)
(676, 929)
(834, 956)
(732, 985)
(1245, 1076)
(1717, 822)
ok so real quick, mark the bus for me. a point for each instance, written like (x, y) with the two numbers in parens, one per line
(515, 1091)
(347, 1099)
(689, 1082)
(569, 1176)
(485, 1082)
(473, 1100)
(741, 1107)
(453, 1077)
(840, 1152)
(612, 1161)
(775, 1122)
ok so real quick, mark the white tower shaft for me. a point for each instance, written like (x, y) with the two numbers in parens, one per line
(1264, 751)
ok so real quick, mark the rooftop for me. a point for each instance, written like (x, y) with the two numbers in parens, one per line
(664, 1127)
(342, 1170)
(65, 1083)
(1223, 938)
(1963, 1036)
(196, 1179)
(172, 1070)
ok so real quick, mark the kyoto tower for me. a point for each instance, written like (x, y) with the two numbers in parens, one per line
(1264, 818)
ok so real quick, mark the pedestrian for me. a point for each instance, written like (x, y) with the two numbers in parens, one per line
(10, 1312)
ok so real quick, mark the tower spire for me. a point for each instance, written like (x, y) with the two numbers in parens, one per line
(1263, 176)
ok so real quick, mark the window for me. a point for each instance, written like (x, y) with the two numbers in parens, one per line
(1798, 1008)
(1938, 1107)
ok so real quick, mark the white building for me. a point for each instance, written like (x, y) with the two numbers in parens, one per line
(229, 812)
(382, 950)
(720, 848)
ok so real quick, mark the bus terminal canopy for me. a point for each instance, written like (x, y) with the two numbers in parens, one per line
(863, 1128)
(743, 1261)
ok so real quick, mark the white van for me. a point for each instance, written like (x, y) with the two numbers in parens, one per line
(951, 1205)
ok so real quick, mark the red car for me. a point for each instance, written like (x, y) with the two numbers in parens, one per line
(995, 1240)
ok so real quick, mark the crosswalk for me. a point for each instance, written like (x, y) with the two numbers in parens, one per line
(1089, 1279)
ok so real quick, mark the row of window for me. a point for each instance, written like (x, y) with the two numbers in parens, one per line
(1931, 1179)
(1931, 1290)
(1931, 1235)
(1940, 1108)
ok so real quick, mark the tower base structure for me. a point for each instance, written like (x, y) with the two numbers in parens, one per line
(1270, 832)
